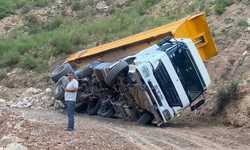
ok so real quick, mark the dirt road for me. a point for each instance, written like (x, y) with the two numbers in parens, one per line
(43, 129)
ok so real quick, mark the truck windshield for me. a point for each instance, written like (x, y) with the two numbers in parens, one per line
(187, 71)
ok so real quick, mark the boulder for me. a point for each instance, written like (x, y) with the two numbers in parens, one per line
(48, 90)
(20, 125)
(33, 90)
(29, 104)
(2, 102)
(102, 5)
(15, 146)
(48, 101)
(25, 100)
(5, 141)
(9, 103)
(58, 104)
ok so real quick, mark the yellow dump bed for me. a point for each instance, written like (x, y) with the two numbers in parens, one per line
(193, 27)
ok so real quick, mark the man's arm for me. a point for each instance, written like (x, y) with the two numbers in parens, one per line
(71, 90)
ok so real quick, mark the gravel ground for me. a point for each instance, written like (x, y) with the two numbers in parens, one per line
(43, 129)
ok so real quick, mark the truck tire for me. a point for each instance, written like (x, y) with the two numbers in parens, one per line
(93, 107)
(145, 118)
(58, 92)
(60, 71)
(80, 107)
(115, 71)
(108, 113)
(83, 71)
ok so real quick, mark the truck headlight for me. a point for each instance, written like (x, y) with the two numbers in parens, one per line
(167, 114)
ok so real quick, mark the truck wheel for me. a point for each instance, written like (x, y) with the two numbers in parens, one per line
(145, 118)
(107, 113)
(60, 71)
(115, 71)
(83, 71)
(58, 92)
(80, 107)
(93, 107)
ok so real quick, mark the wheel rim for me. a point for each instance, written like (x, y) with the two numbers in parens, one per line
(93, 104)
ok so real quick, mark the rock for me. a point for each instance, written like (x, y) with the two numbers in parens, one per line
(12, 72)
(20, 125)
(15, 146)
(248, 21)
(48, 101)
(48, 90)
(102, 5)
(58, 104)
(244, 53)
(25, 101)
(5, 141)
(33, 90)
(20, 104)
(29, 104)
(19, 140)
(13, 106)
(2, 102)
(9, 103)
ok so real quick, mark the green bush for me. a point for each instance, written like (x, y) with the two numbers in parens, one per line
(11, 57)
(3, 74)
(31, 19)
(225, 94)
(40, 3)
(76, 6)
(220, 6)
(29, 62)
(9, 6)
(144, 5)
(243, 23)
(62, 44)
(53, 24)
(59, 37)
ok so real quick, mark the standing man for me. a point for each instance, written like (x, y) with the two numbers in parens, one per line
(70, 99)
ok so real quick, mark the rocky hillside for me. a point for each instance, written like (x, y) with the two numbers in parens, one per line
(34, 35)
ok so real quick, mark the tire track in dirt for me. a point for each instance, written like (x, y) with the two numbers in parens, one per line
(170, 137)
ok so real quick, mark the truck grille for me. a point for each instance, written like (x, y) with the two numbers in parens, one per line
(167, 85)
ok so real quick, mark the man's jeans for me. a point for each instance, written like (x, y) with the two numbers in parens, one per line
(70, 106)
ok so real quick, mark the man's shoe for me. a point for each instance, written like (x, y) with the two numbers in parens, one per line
(66, 129)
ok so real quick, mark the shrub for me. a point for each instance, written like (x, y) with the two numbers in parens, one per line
(220, 6)
(55, 23)
(31, 19)
(76, 6)
(9, 6)
(62, 44)
(29, 62)
(243, 23)
(3, 74)
(225, 94)
(144, 5)
(41, 3)
(11, 57)
(7, 27)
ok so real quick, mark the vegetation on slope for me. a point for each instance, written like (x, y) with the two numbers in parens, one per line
(32, 45)
(9, 6)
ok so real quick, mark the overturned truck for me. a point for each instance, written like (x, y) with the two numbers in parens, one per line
(148, 77)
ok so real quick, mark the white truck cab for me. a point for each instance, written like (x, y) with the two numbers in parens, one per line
(174, 74)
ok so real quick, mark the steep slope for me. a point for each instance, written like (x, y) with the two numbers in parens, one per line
(40, 35)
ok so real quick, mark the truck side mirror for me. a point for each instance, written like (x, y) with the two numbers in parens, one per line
(165, 40)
